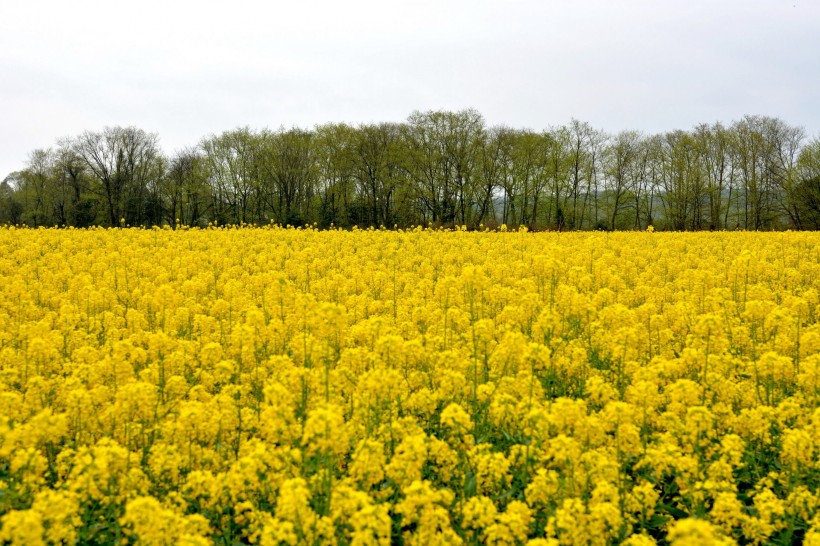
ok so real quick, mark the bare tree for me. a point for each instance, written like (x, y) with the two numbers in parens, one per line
(684, 192)
(184, 188)
(529, 157)
(73, 179)
(441, 157)
(784, 144)
(714, 146)
(621, 155)
(494, 159)
(289, 169)
(335, 153)
(232, 167)
(125, 162)
(807, 192)
(582, 139)
(38, 186)
(378, 171)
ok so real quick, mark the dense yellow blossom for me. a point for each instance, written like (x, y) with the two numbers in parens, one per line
(293, 386)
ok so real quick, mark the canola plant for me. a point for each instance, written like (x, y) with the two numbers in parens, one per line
(293, 386)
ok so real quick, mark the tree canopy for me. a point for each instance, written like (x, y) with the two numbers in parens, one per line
(438, 167)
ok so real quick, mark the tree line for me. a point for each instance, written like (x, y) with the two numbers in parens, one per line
(438, 167)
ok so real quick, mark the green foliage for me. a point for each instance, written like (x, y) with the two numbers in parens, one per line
(438, 168)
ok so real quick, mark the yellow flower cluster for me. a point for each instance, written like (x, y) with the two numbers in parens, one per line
(292, 386)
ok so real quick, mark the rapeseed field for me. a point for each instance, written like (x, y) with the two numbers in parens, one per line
(292, 386)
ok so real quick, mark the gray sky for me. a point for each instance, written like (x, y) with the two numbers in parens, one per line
(185, 69)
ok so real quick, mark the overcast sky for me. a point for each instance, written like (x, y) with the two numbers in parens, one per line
(186, 69)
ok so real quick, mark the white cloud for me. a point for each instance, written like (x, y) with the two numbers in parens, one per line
(185, 69)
